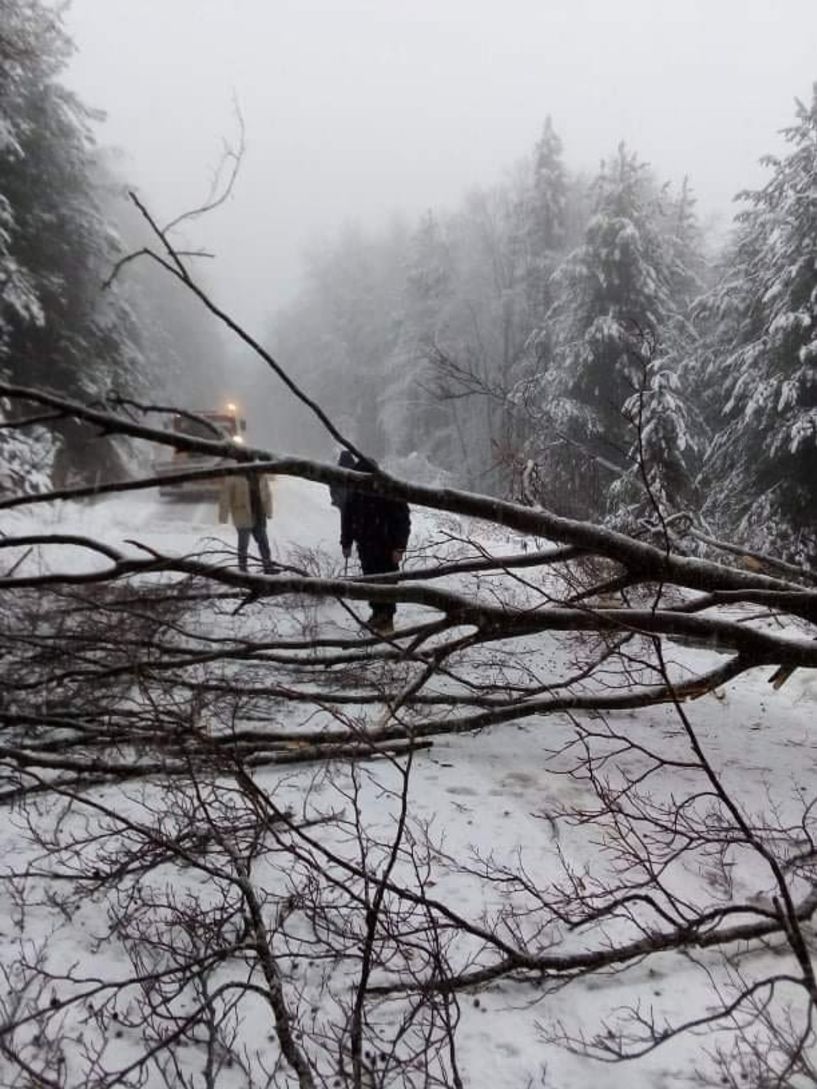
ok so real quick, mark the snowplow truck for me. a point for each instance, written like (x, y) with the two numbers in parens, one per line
(224, 424)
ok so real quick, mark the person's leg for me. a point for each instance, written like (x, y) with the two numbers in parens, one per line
(389, 608)
(369, 566)
(378, 561)
(243, 544)
(259, 532)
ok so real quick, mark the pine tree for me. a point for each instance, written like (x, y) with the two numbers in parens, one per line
(668, 427)
(668, 439)
(22, 30)
(684, 244)
(57, 245)
(416, 422)
(763, 357)
(613, 296)
(546, 218)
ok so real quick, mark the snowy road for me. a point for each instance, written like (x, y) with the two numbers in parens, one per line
(302, 518)
(489, 794)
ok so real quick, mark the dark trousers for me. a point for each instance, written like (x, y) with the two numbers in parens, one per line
(259, 533)
(378, 560)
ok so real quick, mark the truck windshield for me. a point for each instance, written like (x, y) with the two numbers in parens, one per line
(224, 424)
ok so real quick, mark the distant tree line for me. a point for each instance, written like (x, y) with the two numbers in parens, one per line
(63, 225)
(574, 340)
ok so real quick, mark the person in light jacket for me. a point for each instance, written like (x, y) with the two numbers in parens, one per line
(247, 499)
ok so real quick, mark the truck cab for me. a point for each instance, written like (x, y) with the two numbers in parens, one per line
(213, 424)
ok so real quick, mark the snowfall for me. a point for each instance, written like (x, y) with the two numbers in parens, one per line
(492, 793)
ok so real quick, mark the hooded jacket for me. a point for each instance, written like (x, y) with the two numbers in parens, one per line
(377, 523)
(338, 492)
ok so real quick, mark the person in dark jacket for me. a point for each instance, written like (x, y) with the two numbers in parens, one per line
(380, 527)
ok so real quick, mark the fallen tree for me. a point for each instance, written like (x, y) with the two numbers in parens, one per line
(155, 707)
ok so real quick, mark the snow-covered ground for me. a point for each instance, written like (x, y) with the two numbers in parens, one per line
(302, 516)
(500, 795)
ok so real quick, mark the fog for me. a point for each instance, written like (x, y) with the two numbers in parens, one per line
(357, 110)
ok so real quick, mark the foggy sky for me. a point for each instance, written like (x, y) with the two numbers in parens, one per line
(355, 109)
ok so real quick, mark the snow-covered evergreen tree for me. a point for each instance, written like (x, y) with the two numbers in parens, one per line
(415, 421)
(667, 443)
(22, 28)
(666, 421)
(57, 326)
(614, 295)
(546, 218)
(762, 356)
(683, 239)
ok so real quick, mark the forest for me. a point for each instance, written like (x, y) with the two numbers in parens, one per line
(586, 328)
(554, 827)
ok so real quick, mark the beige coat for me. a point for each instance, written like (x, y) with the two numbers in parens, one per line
(234, 500)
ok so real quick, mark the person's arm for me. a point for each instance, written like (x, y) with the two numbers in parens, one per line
(347, 523)
(400, 529)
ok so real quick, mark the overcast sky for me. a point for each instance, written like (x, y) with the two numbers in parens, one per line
(355, 109)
